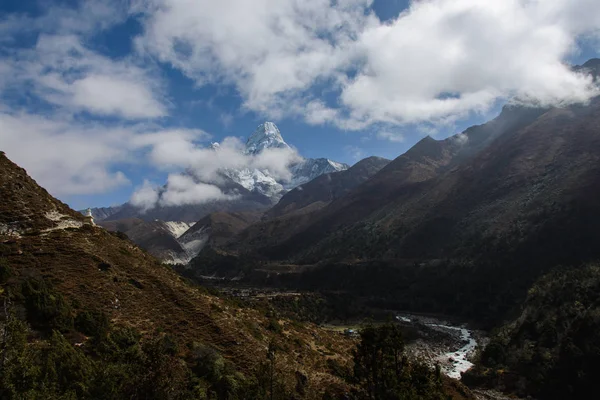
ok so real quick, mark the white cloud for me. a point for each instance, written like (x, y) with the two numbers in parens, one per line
(146, 196)
(179, 190)
(44, 88)
(438, 61)
(442, 59)
(108, 95)
(271, 50)
(62, 71)
(206, 163)
(70, 157)
(460, 139)
(206, 169)
(391, 136)
(184, 189)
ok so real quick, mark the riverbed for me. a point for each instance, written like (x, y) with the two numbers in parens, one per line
(440, 342)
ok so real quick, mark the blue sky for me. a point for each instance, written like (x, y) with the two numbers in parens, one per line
(90, 91)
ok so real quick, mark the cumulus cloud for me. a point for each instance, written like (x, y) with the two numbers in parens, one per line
(271, 50)
(145, 197)
(55, 93)
(62, 71)
(179, 190)
(206, 163)
(442, 59)
(438, 61)
(184, 189)
(70, 157)
(207, 169)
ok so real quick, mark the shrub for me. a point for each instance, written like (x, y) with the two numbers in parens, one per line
(5, 271)
(46, 308)
(92, 323)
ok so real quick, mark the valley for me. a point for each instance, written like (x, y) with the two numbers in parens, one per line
(299, 200)
(429, 338)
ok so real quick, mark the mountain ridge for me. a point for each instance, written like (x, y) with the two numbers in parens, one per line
(488, 206)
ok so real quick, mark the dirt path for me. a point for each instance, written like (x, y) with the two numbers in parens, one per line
(483, 394)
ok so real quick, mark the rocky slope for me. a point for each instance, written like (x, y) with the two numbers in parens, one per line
(159, 238)
(214, 230)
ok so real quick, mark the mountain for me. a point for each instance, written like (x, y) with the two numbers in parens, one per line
(404, 176)
(87, 314)
(461, 226)
(106, 320)
(591, 67)
(159, 238)
(320, 191)
(251, 189)
(266, 136)
(214, 230)
(178, 242)
(312, 168)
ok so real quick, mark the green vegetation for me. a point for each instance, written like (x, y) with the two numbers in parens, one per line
(383, 371)
(552, 351)
(320, 307)
(110, 362)
(46, 308)
(5, 272)
(79, 354)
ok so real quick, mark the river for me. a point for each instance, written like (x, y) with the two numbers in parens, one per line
(441, 343)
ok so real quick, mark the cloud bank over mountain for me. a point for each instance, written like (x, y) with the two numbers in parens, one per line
(78, 116)
(208, 169)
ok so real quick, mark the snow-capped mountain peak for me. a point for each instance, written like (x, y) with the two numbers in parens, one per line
(310, 168)
(266, 136)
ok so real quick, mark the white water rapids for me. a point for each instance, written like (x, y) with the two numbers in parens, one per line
(453, 363)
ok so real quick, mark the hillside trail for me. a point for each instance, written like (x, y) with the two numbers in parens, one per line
(485, 394)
